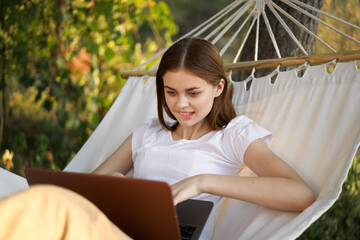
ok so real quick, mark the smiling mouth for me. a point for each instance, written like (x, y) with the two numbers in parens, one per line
(186, 115)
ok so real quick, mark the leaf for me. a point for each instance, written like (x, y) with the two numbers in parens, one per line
(109, 53)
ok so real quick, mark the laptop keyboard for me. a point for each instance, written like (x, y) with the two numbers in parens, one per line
(186, 231)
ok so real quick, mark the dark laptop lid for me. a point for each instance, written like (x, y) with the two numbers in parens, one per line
(142, 209)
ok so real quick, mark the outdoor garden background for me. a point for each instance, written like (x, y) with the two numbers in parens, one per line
(60, 66)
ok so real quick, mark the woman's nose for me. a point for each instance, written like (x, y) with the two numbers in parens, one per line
(182, 102)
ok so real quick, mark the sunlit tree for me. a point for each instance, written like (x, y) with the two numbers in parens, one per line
(60, 69)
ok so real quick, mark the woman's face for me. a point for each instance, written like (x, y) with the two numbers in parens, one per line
(189, 97)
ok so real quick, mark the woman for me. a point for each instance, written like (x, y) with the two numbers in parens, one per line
(202, 151)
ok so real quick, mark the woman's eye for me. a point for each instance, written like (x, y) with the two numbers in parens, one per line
(194, 94)
(171, 93)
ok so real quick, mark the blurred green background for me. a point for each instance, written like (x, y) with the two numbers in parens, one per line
(60, 69)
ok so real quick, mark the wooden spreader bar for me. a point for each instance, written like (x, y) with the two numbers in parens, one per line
(273, 63)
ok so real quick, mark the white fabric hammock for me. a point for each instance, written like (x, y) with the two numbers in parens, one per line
(315, 120)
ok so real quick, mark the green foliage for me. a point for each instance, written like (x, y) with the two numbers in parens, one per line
(60, 69)
(342, 220)
(346, 10)
(188, 14)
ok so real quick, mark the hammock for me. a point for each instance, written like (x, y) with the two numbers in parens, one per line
(315, 121)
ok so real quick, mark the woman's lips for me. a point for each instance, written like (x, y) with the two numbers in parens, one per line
(186, 115)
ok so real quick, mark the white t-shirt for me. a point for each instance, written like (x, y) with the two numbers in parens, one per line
(158, 157)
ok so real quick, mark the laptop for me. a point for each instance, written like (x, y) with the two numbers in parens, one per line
(143, 209)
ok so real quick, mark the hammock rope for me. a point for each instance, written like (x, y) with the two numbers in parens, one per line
(321, 12)
(302, 26)
(240, 12)
(228, 43)
(214, 20)
(288, 30)
(321, 21)
(235, 17)
(243, 42)
(272, 36)
(257, 36)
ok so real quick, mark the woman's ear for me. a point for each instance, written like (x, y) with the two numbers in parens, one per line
(220, 87)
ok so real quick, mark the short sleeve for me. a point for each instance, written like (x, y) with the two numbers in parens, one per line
(238, 135)
(137, 136)
(141, 132)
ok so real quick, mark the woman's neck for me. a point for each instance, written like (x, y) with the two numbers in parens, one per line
(192, 132)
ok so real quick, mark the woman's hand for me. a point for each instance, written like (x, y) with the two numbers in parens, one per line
(187, 188)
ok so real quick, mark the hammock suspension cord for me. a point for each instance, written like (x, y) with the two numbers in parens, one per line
(225, 21)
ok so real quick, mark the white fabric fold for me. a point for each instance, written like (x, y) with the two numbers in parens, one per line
(315, 121)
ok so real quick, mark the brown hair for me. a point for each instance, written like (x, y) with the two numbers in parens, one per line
(201, 58)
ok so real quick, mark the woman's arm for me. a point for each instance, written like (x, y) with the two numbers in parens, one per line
(277, 185)
(118, 162)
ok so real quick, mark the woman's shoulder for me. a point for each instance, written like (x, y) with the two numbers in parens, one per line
(146, 132)
(244, 127)
(149, 127)
(239, 122)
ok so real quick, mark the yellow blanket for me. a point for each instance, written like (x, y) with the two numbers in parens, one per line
(50, 212)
